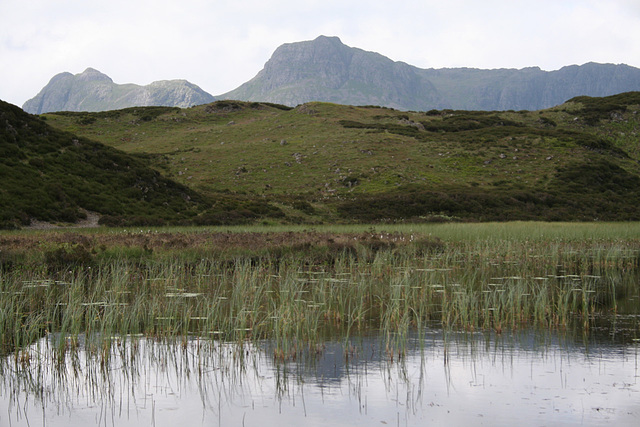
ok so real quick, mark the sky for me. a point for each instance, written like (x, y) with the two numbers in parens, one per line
(220, 44)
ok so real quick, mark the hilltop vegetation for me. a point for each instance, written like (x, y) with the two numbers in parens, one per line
(52, 175)
(55, 176)
(323, 162)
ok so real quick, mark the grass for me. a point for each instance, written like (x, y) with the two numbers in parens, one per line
(58, 177)
(363, 163)
(297, 287)
(242, 163)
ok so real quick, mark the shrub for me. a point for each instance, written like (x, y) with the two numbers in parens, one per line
(304, 206)
(64, 256)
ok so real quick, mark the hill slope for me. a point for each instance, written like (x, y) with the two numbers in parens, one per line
(51, 175)
(326, 70)
(329, 162)
(94, 91)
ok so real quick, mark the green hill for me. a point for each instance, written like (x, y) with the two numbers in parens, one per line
(53, 175)
(329, 162)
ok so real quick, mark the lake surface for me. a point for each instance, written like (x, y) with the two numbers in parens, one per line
(436, 378)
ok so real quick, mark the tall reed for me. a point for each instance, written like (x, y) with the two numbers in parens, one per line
(297, 298)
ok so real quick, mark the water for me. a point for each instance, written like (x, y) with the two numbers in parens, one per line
(454, 378)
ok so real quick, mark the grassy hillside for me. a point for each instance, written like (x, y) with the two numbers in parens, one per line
(319, 161)
(53, 175)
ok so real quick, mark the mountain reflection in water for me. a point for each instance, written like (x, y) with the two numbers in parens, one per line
(525, 377)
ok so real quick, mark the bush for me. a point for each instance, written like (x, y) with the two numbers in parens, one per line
(596, 109)
(304, 206)
(64, 256)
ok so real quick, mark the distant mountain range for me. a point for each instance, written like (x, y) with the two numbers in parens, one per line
(325, 69)
(94, 91)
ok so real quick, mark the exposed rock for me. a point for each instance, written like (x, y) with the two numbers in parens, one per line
(412, 124)
(93, 91)
(326, 70)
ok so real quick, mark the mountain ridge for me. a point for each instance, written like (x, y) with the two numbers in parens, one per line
(326, 70)
(92, 90)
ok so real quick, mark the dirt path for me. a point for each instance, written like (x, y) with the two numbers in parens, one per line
(90, 222)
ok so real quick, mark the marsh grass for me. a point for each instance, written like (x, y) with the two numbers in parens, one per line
(299, 294)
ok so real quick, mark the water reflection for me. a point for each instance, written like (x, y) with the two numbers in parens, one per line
(529, 378)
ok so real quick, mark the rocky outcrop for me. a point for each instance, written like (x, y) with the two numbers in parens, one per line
(94, 91)
(530, 88)
(325, 69)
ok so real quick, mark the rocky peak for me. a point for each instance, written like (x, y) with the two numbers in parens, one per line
(92, 75)
(92, 90)
(325, 69)
(60, 77)
(324, 58)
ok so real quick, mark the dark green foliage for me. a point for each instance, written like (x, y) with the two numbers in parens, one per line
(580, 192)
(600, 145)
(237, 211)
(228, 106)
(87, 119)
(480, 127)
(277, 106)
(144, 114)
(54, 176)
(377, 107)
(66, 256)
(382, 127)
(225, 106)
(596, 109)
(600, 176)
(463, 121)
(491, 124)
(548, 122)
(304, 206)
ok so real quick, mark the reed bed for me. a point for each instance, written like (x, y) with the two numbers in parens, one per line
(298, 295)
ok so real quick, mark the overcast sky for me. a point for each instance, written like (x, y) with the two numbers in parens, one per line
(220, 44)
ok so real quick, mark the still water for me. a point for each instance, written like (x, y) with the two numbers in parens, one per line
(434, 378)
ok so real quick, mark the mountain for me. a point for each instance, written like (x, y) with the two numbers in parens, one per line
(326, 70)
(92, 90)
(530, 88)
